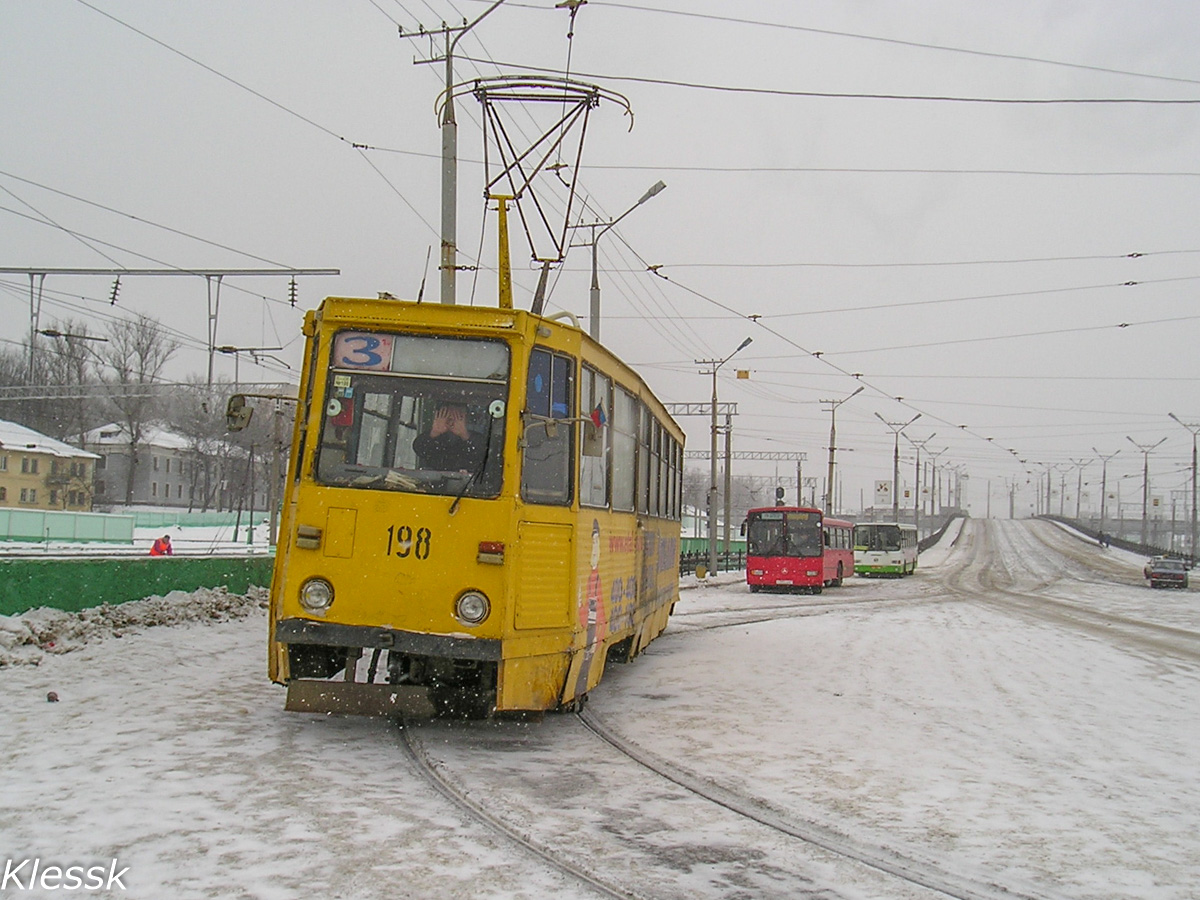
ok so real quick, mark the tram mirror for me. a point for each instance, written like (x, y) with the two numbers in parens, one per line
(237, 413)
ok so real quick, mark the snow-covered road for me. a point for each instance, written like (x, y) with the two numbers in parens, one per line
(1019, 719)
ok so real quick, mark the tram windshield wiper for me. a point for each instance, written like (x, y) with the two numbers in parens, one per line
(478, 473)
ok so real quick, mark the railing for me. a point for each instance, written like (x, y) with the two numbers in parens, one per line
(726, 562)
(926, 542)
(1111, 541)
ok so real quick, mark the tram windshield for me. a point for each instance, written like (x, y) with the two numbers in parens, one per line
(779, 533)
(415, 413)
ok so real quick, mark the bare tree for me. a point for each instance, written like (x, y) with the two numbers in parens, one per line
(70, 369)
(695, 488)
(197, 412)
(24, 403)
(132, 361)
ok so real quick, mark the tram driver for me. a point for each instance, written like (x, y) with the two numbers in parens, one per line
(449, 446)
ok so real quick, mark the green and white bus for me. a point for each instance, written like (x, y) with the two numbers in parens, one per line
(885, 548)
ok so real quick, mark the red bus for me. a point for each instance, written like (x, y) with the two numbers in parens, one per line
(797, 547)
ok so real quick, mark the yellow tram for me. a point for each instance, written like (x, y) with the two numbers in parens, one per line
(482, 508)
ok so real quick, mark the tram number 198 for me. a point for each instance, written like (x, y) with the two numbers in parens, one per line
(403, 542)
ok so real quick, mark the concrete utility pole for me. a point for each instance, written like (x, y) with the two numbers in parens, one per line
(1103, 481)
(896, 428)
(1049, 470)
(594, 294)
(919, 445)
(728, 478)
(1081, 464)
(715, 365)
(935, 502)
(449, 233)
(1194, 429)
(1146, 450)
(833, 406)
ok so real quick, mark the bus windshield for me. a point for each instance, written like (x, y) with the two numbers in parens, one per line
(877, 537)
(784, 534)
(415, 413)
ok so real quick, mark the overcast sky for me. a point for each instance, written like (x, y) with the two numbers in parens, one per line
(855, 195)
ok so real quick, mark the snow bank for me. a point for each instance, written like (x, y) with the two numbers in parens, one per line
(25, 639)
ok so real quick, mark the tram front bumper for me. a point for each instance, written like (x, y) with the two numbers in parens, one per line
(358, 699)
(331, 634)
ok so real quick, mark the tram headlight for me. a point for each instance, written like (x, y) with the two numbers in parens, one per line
(472, 607)
(316, 595)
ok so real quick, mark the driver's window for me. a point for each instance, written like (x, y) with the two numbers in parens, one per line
(548, 448)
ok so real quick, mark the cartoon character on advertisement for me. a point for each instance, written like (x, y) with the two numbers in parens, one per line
(592, 614)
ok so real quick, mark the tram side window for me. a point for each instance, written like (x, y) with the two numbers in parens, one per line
(664, 465)
(643, 491)
(624, 440)
(676, 465)
(546, 468)
(594, 463)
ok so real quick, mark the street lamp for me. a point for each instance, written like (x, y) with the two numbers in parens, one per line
(78, 363)
(1081, 464)
(917, 481)
(935, 500)
(896, 428)
(1146, 450)
(833, 405)
(594, 294)
(50, 332)
(712, 486)
(1104, 482)
(1193, 428)
(237, 356)
(1049, 483)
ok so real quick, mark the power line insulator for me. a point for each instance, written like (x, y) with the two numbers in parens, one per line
(292, 292)
(116, 289)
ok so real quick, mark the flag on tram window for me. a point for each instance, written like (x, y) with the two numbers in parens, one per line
(598, 417)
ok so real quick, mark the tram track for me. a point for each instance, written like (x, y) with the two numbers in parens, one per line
(647, 820)
(685, 621)
(906, 867)
(702, 807)
(703, 803)
(429, 771)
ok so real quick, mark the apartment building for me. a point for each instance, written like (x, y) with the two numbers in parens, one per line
(39, 472)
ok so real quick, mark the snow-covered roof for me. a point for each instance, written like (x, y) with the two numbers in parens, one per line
(18, 437)
(117, 435)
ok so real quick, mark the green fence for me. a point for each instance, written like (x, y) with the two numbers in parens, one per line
(75, 584)
(47, 525)
(157, 518)
(700, 544)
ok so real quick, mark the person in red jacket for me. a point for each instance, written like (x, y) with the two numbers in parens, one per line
(162, 547)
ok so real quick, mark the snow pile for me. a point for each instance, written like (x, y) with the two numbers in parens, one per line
(25, 639)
